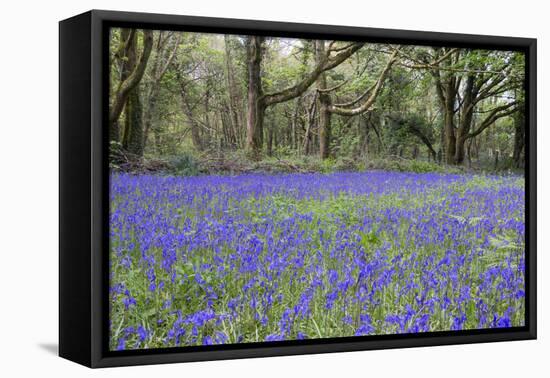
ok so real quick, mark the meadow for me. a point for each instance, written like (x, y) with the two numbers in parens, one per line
(233, 259)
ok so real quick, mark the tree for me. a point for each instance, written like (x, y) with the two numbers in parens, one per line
(324, 103)
(256, 105)
(258, 101)
(327, 108)
(447, 90)
(234, 96)
(519, 136)
(415, 125)
(164, 56)
(370, 94)
(471, 77)
(487, 78)
(132, 73)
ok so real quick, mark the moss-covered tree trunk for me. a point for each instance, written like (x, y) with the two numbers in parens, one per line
(134, 124)
(132, 70)
(133, 117)
(519, 138)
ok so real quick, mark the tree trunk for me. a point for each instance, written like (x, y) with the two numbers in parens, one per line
(294, 131)
(270, 133)
(133, 120)
(256, 106)
(324, 126)
(519, 138)
(324, 104)
(469, 153)
(130, 80)
(234, 107)
(460, 150)
(159, 69)
(148, 113)
(311, 113)
(363, 132)
(134, 124)
(158, 141)
(446, 88)
(414, 152)
(468, 105)
(450, 138)
(206, 112)
(378, 134)
(114, 129)
(195, 128)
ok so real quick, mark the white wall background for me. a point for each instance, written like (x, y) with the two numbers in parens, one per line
(29, 185)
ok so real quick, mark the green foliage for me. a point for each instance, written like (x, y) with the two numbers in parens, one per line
(199, 104)
(327, 165)
(406, 165)
(418, 166)
(184, 165)
(116, 155)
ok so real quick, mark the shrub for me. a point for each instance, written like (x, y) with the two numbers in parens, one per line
(116, 155)
(184, 165)
(405, 165)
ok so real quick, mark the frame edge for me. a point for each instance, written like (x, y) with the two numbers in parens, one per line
(75, 276)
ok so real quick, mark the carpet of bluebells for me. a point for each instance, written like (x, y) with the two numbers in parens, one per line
(234, 259)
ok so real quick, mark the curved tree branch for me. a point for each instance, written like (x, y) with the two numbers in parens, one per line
(337, 86)
(133, 79)
(376, 90)
(357, 99)
(328, 62)
(496, 113)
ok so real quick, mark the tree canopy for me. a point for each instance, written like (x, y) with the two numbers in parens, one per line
(230, 98)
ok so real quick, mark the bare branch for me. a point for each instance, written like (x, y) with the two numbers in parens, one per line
(496, 113)
(170, 58)
(338, 49)
(434, 64)
(359, 98)
(376, 90)
(337, 86)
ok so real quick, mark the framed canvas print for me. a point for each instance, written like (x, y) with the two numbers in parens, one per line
(234, 188)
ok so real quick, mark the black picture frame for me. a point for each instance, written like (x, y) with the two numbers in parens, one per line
(83, 195)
